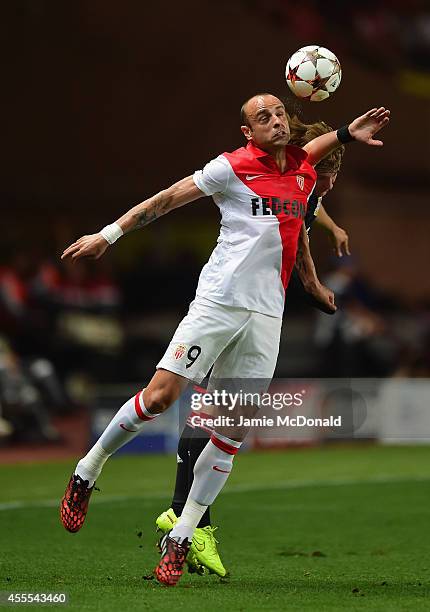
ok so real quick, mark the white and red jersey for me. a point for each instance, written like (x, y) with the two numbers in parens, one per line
(262, 211)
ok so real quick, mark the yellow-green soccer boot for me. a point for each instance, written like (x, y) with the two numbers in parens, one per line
(203, 551)
(204, 546)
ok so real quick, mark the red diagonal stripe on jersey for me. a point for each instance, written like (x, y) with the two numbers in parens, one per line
(289, 241)
(258, 171)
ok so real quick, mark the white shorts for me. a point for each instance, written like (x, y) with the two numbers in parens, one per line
(238, 343)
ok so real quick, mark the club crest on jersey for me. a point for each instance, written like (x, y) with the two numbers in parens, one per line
(300, 181)
(180, 351)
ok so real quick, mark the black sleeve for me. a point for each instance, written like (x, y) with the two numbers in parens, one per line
(313, 205)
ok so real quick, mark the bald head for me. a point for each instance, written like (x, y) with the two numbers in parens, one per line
(257, 103)
(265, 122)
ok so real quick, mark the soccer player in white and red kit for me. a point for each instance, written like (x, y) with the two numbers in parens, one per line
(234, 323)
(203, 556)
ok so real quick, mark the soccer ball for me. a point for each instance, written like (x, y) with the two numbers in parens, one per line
(313, 73)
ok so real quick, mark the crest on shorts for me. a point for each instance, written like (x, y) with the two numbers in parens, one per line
(180, 351)
(300, 181)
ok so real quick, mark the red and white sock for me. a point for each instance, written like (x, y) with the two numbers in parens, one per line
(211, 472)
(125, 425)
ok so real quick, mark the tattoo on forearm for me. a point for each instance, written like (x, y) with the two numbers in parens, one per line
(300, 262)
(156, 207)
(144, 218)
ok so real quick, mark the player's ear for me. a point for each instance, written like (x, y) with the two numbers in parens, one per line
(246, 131)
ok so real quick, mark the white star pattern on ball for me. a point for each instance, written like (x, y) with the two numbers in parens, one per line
(313, 73)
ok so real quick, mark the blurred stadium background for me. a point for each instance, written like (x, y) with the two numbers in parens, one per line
(105, 103)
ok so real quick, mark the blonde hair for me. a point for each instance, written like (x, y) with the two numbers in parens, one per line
(302, 133)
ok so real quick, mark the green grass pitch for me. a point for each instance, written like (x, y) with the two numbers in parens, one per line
(342, 528)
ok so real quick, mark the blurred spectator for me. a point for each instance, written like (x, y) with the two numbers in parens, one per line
(356, 340)
(88, 331)
(24, 396)
(20, 319)
(84, 286)
(14, 296)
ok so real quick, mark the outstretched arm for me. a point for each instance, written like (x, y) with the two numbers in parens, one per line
(306, 270)
(362, 129)
(94, 245)
(337, 236)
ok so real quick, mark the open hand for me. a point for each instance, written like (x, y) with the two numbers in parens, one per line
(340, 241)
(93, 246)
(365, 127)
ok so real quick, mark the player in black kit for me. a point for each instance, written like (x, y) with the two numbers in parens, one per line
(327, 171)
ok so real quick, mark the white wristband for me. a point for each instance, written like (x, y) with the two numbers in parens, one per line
(111, 232)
